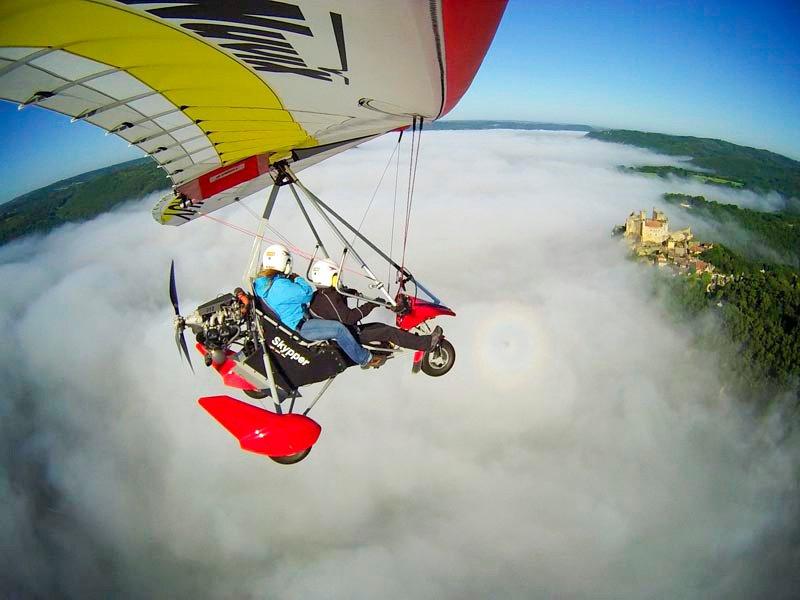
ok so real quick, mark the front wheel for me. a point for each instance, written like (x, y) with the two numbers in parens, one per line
(440, 360)
(257, 394)
(292, 459)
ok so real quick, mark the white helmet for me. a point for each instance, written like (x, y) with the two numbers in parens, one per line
(322, 273)
(277, 257)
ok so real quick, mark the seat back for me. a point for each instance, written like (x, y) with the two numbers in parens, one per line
(296, 361)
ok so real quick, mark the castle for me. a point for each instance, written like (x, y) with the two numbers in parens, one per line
(647, 231)
(651, 238)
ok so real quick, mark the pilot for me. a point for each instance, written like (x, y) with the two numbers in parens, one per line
(288, 295)
(329, 304)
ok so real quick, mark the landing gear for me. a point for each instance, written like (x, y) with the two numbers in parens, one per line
(440, 360)
(291, 459)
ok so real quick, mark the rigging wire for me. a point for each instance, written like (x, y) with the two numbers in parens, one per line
(413, 162)
(283, 239)
(394, 212)
(267, 224)
(256, 216)
(374, 193)
(414, 181)
(408, 189)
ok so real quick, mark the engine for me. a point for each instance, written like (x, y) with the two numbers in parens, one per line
(221, 322)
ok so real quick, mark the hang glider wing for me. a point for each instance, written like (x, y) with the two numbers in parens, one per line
(217, 91)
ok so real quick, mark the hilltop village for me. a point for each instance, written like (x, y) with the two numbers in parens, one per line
(651, 240)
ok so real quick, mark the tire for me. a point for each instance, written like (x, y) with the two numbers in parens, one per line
(257, 394)
(440, 360)
(292, 459)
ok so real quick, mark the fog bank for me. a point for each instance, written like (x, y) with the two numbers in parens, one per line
(579, 448)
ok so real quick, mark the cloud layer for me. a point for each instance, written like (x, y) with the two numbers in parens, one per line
(580, 447)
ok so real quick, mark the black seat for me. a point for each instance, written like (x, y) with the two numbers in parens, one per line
(297, 361)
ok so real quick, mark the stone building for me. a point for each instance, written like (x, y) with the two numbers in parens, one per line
(647, 231)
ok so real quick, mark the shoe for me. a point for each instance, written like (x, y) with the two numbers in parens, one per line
(436, 336)
(366, 364)
(375, 361)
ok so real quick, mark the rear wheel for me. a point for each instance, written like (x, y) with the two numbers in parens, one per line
(440, 360)
(292, 458)
(257, 394)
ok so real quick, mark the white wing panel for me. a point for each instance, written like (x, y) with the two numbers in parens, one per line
(21, 83)
(204, 155)
(119, 85)
(15, 54)
(155, 105)
(68, 65)
(172, 120)
(113, 117)
(193, 146)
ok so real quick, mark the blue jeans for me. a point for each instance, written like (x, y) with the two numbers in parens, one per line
(323, 329)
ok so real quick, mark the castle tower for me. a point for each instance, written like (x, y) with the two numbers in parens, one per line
(630, 226)
(655, 231)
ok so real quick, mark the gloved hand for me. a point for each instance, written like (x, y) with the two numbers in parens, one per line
(244, 300)
(292, 276)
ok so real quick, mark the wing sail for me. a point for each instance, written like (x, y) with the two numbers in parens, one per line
(203, 85)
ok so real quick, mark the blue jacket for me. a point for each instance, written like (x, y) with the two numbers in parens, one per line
(286, 297)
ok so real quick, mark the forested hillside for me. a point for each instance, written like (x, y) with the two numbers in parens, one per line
(778, 232)
(759, 312)
(759, 170)
(79, 198)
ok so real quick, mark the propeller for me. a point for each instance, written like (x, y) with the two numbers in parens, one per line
(180, 340)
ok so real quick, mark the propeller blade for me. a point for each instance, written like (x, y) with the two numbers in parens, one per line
(180, 340)
(183, 349)
(173, 292)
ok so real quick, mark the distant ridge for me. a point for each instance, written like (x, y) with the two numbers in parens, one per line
(528, 125)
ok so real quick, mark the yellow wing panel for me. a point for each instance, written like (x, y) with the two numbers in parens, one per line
(210, 88)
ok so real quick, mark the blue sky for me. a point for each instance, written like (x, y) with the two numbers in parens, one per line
(729, 70)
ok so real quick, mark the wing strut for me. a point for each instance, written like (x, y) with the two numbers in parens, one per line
(320, 205)
(317, 203)
(320, 245)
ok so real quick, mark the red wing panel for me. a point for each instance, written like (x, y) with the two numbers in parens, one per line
(225, 177)
(469, 26)
(262, 431)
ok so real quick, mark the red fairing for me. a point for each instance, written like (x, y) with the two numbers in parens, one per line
(226, 371)
(262, 431)
(469, 27)
(420, 311)
(224, 178)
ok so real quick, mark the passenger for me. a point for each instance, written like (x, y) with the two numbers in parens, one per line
(329, 304)
(288, 295)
